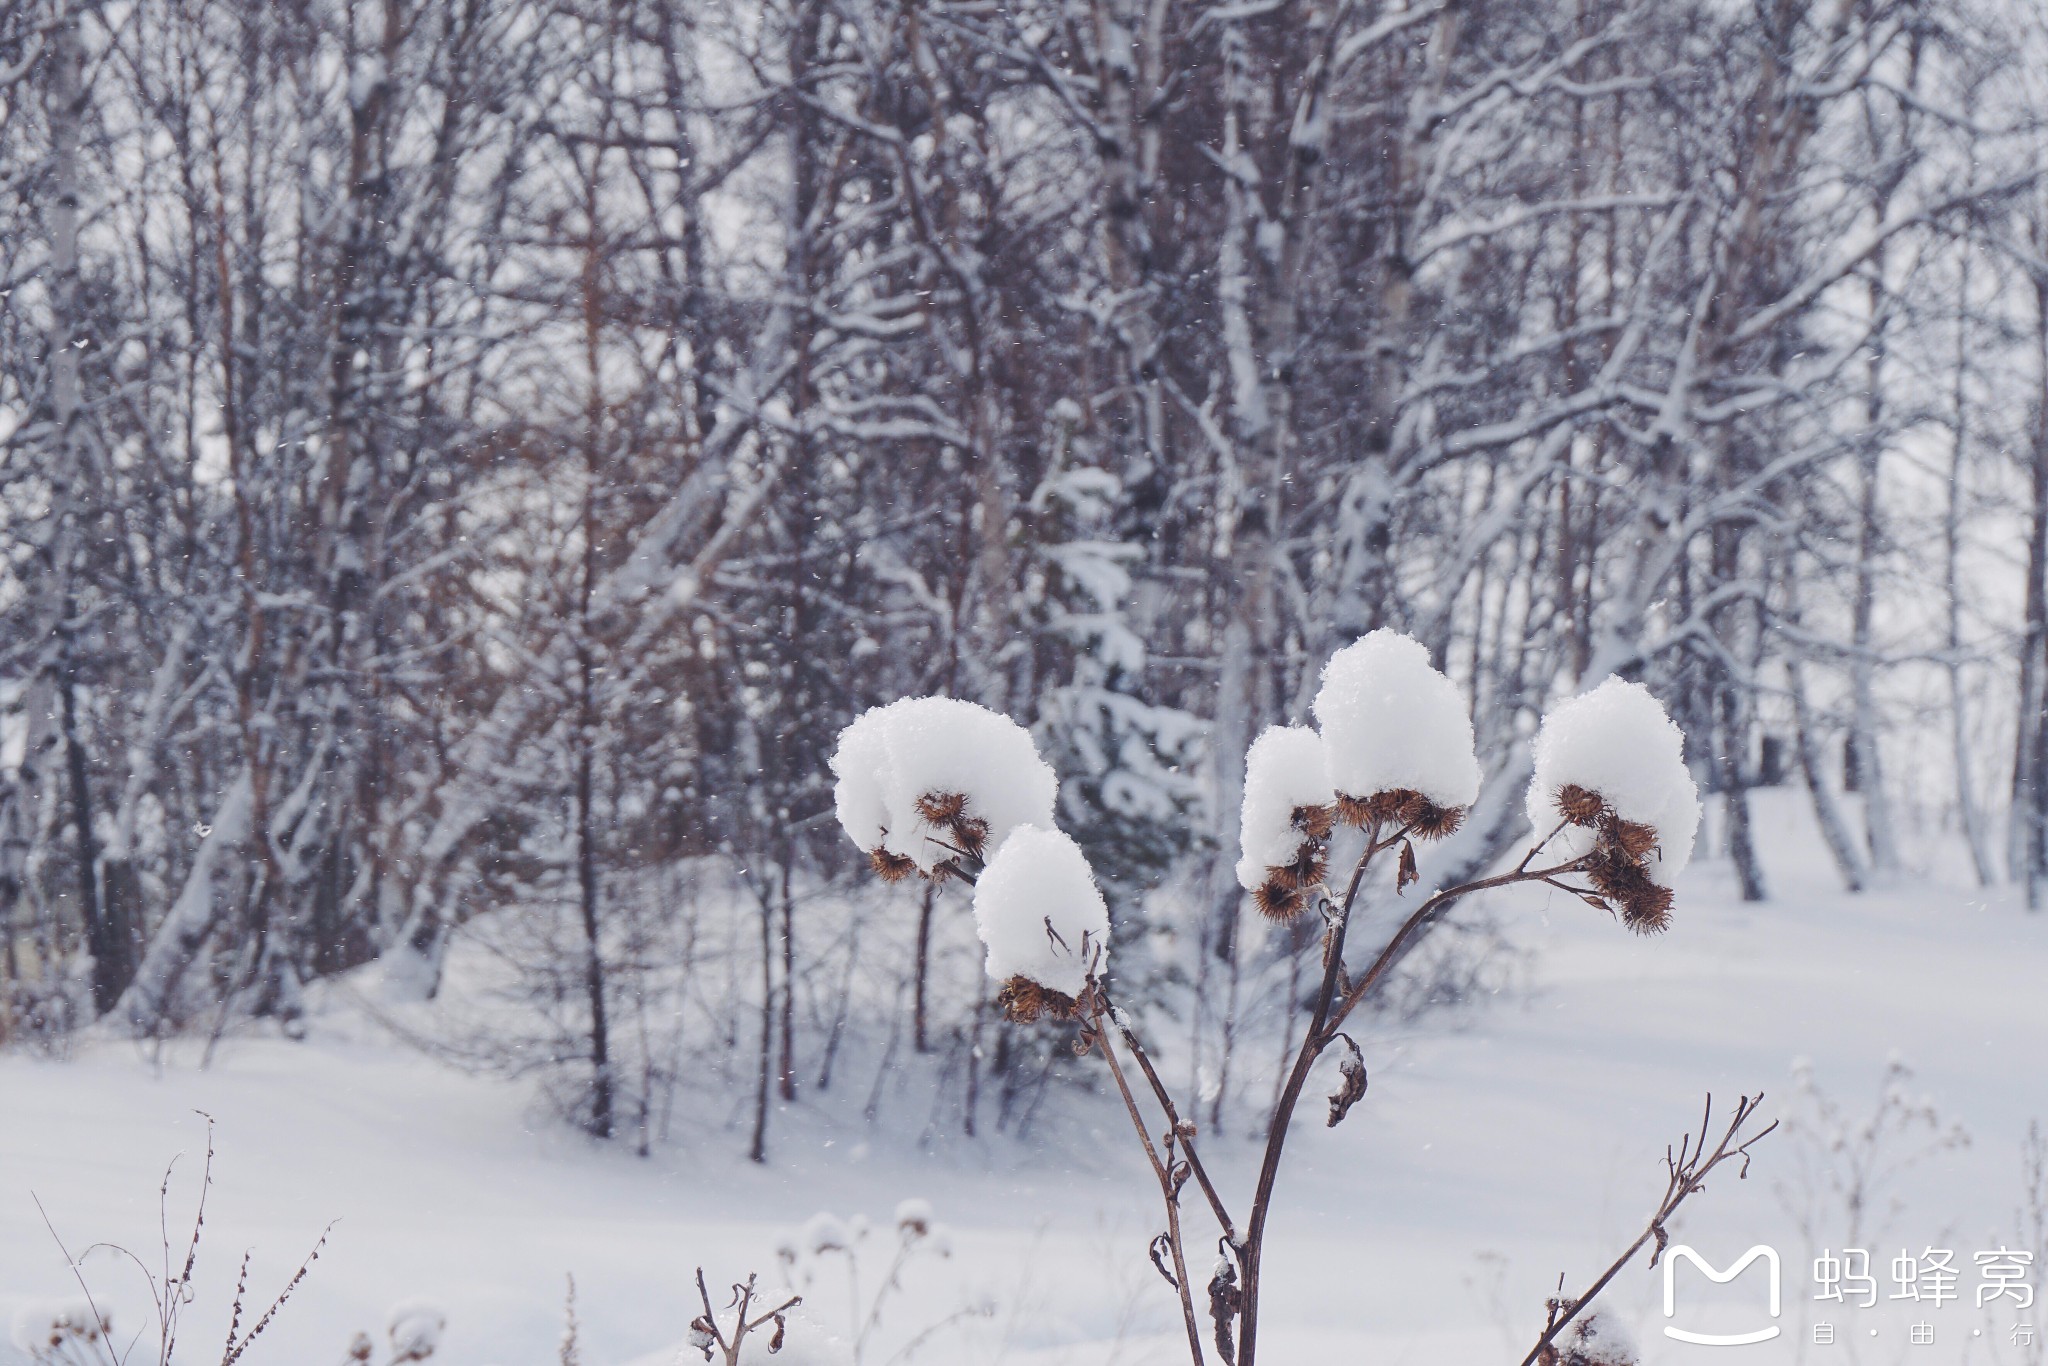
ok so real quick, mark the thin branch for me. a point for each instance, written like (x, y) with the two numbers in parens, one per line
(1686, 1173)
(1169, 1188)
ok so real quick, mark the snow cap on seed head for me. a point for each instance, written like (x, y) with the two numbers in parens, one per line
(825, 1232)
(1287, 813)
(1043, 921)
(416, 1328)
(924, 777)
(914, 1217)
(858, 763)
(1610, 764)
(1392, 723)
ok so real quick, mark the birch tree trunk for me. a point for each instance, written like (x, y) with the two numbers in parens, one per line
(2029, 820)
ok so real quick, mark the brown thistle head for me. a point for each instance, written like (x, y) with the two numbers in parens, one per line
(942, 808)
(1024, 1001)
(1579, 805)
(1644, 905)
(1279, 903)
(1355, 810)
(1618, 867)
(1402, 806)
(1647, 909)
(1428, 821)
(1310, 863)
(1632, 838)
(970, 835)
(1316, 822)
(1613, 873)
(891, 867)
(1379, 807)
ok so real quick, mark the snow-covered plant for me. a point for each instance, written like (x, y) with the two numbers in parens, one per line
(930, 785)
(1398, 738)
(872, 1262)
(63, 1333)
(946, 789)
(1848, 1163)
(1290, 808)
(1596, 1339)
(1044, 922)
(1611, 778)
(756, 1329)
(82, 1333)
(415, 1330)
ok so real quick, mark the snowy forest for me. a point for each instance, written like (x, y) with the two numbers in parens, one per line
(476, 455)
(463, 463)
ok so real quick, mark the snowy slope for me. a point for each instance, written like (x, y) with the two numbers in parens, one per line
(1491, 1154)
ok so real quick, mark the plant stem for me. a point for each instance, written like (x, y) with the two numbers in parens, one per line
(1168, 1188)
(1184, 1130)
(1313, 1041)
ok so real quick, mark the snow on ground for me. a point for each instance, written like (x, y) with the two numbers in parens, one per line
(1491, 1153)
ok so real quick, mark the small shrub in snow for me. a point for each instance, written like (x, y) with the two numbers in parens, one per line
(62, 1333)
(763, 1329)
(1043, 921)
(76, 1333)
(872, 1269)
(1615, 812)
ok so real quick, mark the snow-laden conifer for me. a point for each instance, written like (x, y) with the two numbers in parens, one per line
(1398, 736)
(1043, 921)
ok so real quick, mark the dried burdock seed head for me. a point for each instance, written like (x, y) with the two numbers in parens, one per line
(1279, 903)
(1024, 1001)
(1647, 909)
(942, 808)
(1310, 863)
(890, 867)
(1578, 805)
(1645, 905)
(1354, 810)
(1633, 838)
(970, 835)
(914, 1218)
(1389, 805)
(1428, 821)
(1315, 821)
(1614, 873)
(1377, 807)
(1402, 806)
